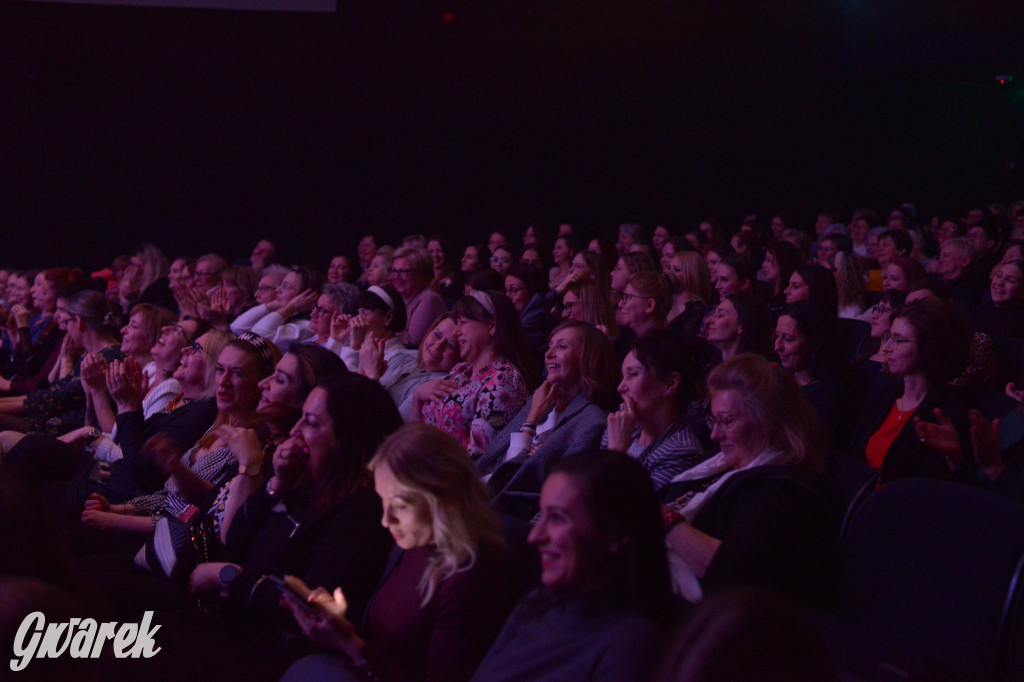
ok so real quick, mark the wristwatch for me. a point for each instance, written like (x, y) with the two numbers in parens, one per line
(253, 469)
(227, 575)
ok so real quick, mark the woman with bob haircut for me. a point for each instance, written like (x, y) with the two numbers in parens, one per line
(752, 514)
(741, 323)
(565, 415)
(660, 381)
(480, 395)
(926, 348)
(816, 284)
(436, 356)
(444, 596)
(412, 271)
(604, 600)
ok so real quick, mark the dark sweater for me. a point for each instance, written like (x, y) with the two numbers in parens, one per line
(447, 638)
(571, 638)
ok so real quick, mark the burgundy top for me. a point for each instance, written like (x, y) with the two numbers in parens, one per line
(447, 638)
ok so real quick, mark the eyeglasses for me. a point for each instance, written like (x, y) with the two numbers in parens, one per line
(513, 290)
(319, 310)
(192, 349)
(723, 422)
(625, 295)
(897, 340)
(569, 305)
(495, 259)
(880, 309)
(395, 272)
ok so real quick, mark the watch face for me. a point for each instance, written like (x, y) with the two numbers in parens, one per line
(228, 574)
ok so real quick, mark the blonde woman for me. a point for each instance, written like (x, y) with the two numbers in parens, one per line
(444, 597)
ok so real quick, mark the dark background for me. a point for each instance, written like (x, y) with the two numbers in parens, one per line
(203, 130)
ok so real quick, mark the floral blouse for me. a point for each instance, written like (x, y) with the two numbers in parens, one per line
(482, 405)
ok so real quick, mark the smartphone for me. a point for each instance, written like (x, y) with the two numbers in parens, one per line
(294, 597)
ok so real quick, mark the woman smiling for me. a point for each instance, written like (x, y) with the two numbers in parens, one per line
(566, 414)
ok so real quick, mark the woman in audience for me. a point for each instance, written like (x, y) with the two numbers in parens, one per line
(901, 273)
(740, 324)
(780, 262)
(526, 288)
(481, 394)
(195, 475)
(849, 282)
(75, 456)
(411, 274)
(562, 254)
(374, 349)
(444, 273)
(474, 258)
(1004, 315)
(660, 382)
(438, 353)
(670, 248)
(807, 342)
(444, 596)
(379, 272)
(693, 293)
(735, 274)
(605, 602)
(629, 264)
(815, 284)
(645, 303)
(565, 415)
(926, 348)
(59, 408)
(715, 254)
(285, 320)
(340, 270)
(752, 514)
(587, 265)
(870, 357)
(337, 301)
(502, 260)
(39, 337)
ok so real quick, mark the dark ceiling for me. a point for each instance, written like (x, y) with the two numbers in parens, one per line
(199, 130)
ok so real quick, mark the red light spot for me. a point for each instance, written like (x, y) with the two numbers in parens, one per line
(448, 18)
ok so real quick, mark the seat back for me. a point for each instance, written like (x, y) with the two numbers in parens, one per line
(928, 565)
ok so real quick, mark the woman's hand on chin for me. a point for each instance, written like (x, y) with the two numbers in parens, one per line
(291, 466)
(621, 425)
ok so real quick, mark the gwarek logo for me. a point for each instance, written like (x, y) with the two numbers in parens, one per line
(81, 638)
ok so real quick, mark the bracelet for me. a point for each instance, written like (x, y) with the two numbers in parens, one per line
(529, 426)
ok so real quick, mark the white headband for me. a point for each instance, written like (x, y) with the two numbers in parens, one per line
(383, 295)
(484, 300)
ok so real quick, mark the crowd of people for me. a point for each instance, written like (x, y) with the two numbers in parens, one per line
(531, 459)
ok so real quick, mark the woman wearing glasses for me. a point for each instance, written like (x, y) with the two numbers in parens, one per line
(412, 270)
(870, 358)
(525, 286)
(926, 348)
(752, 514)
(375, 350)
(645, 303)
(284, 320)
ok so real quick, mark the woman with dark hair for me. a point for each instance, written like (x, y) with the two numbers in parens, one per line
(815, 284)
(869, 358)
(715, 253)
(447, 280)
(926, 348)
(735, 274)
(740, 324)
(59, 408)
(671, 247)
(284, 320)
(807, 342)
(340, 270)
(780, 262)
(586, 265)
(411, 273)
(525, 286)
(627, 265)
(605, 601)
(502, 260)
(474, 258)
(445, 594)
(480, 395)
(375, 350)
(566, 414)
(661, 378)
(752, 514)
